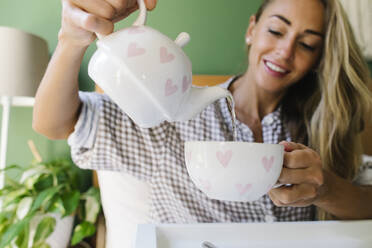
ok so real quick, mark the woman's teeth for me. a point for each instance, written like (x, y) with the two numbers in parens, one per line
(274, 67)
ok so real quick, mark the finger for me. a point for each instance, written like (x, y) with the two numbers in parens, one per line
(295, 159)
(290, 146)
(150, 4)
(120, 5)
(289, 196)
(301, 176)
(99, 8)
(302, 158)
(299, 203)
(89, 22)
(123, 15)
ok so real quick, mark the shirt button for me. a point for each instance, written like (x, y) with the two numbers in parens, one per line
(269, 218)
(268, 120)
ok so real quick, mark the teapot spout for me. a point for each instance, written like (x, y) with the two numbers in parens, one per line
(198, 99)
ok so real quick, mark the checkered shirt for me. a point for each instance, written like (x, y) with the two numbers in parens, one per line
(107, 139)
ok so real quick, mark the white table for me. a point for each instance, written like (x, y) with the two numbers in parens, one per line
(318, 234)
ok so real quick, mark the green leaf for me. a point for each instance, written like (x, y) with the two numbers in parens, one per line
(81, 231)
(48, 204)
(71, 201)
(30, 181)
(57, 206)
(24, 207)
(92, 208)
(23, 238)
(33, 172)
(5, 219)
(10, 167)
(13, 231)
(92, 191)
(12, 207)
(45, 196)
(4, 216)
(44, 229)
(14, 196)
(3, 227)
(92, 204)
(44, 182)
(13, 184)
(6, 190)
(42, 245)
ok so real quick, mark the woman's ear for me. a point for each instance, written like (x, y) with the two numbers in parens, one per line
(250, 30)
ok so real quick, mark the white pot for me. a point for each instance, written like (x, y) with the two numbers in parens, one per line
(62, 232)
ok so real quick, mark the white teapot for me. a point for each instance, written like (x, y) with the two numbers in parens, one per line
(148, 75)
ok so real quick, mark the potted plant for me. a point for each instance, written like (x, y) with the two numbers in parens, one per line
(46, 195)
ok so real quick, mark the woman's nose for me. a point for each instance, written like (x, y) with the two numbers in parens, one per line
(286, 49)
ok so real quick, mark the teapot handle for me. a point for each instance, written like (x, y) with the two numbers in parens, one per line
(141, 19)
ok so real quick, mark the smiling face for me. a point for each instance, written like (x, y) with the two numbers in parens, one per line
(285, 43)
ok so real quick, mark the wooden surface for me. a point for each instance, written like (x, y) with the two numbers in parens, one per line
(101, 232)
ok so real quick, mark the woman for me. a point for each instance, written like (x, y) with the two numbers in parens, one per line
(306, 82)
(320, 79)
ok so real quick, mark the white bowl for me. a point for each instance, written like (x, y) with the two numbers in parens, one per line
(233, 171)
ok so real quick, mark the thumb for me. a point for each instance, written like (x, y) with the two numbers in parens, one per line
(291, 146)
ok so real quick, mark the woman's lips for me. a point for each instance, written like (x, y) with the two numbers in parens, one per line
(274, 69)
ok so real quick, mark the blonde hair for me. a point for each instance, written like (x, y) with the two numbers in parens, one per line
(326, 109)
(335, 126)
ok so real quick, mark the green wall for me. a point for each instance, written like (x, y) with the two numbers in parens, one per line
(217, 47)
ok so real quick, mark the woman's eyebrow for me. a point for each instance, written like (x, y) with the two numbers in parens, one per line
(282, 18)
(288, 22)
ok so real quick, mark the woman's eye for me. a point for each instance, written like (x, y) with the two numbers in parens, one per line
(307, 47)
(274, 32)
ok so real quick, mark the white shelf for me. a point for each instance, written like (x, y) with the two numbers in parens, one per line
(7, 102)
(18, 101)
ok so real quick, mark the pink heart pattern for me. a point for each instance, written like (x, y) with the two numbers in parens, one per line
(134, 50)
(185, 84)
(205, 184)
(170, 88)
(243, 189)
(267, 163)
(165, 57)
(224, 157)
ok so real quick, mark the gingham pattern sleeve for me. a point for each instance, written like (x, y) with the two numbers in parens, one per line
(83, 138)
(85, 129)
(105, 138)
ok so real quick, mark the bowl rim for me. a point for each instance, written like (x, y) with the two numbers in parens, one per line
(231, 143)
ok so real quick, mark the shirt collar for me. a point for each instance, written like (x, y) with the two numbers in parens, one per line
(270, 120)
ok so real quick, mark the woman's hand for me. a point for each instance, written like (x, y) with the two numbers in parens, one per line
(81, 19)
(302, 168)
